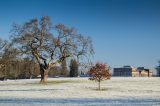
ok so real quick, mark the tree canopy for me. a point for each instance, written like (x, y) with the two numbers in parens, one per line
(99, 72)
(49, 44)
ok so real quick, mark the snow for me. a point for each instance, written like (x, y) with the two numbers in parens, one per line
(121, 91)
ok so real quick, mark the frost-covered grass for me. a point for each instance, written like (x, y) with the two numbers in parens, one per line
(81, 91)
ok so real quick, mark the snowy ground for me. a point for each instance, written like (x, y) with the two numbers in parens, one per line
(80, 91)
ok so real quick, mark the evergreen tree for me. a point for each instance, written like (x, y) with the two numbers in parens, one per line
(73, 68)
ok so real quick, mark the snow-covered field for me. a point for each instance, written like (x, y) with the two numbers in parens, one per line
(80, 91)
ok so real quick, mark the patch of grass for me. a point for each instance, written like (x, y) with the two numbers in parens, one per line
(102, 89)
(50, 82)
(60, 82)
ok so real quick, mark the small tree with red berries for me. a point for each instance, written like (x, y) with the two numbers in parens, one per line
(99, 72)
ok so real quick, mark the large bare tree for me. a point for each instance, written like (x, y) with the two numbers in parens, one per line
(49, 44)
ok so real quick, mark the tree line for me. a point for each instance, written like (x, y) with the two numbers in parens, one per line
(28, 69)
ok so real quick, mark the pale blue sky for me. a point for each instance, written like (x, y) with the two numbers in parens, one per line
(124, 32)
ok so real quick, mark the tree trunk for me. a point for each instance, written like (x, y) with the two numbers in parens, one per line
(30, 77)
(99, 85)
(44, 74)
(140, 74)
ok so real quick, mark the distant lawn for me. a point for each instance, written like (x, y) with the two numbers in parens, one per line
(61, 81)
(50, 82)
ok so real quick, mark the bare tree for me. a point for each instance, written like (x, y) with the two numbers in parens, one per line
(3, 43)
(2, 66)
(8, 56)
(99, 72)
(64, 71)
(36, 37)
